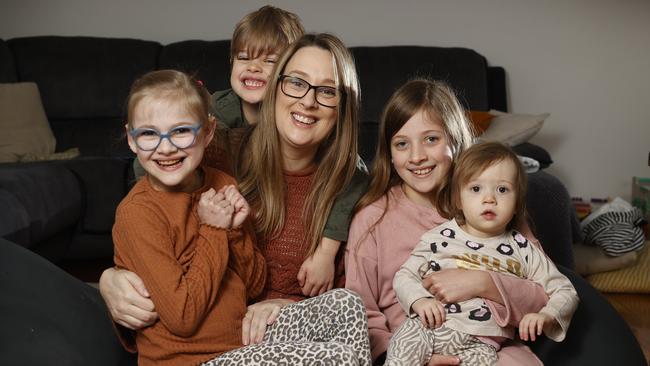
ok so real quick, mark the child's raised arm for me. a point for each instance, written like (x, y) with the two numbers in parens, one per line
(563, 298)
(408, 281)
(316, 275)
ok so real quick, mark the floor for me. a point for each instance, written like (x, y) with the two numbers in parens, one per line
(635, 309)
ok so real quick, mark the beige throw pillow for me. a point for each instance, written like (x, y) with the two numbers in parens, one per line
(513, 129)
(632, 279)
(24, 125)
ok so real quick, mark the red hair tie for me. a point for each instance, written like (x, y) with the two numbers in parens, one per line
(199, 82)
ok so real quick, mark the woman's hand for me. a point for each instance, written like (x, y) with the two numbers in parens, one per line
(258, 317)
(127, 299)
(455, 285)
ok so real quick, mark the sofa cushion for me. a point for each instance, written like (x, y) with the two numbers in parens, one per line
(209, 61)
(7, 67)
(21, 112)
(513, 129)
(383, 69)
(480, 120)
(46, 193)
(92, 136)
(83, 77)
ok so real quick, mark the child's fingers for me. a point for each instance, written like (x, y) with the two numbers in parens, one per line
(531, 330)
(316, 290)
(302, 274)
(522, 329)
(207, 195)
(230, 193)
(219, 196)
(431, 319)
(241, 204)
(308, 287)
(540, 326)
(422, 316)
(440, 318)
(222, 189)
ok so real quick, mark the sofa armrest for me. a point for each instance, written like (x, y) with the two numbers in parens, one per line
(37, 201)
(104, 182)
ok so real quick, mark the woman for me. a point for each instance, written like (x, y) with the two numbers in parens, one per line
(305, 142)
(423, 130)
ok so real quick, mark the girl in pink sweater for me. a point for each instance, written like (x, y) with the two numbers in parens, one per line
(423, 129)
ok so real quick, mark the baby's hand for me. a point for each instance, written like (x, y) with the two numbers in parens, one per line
(430, 311)
(532, 324)
(215, 210)
(239, 204)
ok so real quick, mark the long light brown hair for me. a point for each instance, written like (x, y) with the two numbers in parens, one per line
(473, 162)
(438, 101)
(261, 167)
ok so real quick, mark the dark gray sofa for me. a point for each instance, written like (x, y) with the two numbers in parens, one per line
(84, 81)
(64, 209)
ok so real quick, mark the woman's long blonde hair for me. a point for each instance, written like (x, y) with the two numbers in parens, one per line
(261, 167)
(438, 101)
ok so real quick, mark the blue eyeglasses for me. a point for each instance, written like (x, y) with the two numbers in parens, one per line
(148, 139)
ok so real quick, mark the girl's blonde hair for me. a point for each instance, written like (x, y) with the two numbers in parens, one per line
(170, 85)
(268, 29)
(261, 168)
(473, 162)
(438, 101)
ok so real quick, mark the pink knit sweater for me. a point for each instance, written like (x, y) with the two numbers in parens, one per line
(373, 258)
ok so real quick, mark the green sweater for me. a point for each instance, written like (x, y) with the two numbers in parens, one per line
(227, 109)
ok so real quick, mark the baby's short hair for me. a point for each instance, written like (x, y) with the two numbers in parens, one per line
(268, 29)
(474, 161)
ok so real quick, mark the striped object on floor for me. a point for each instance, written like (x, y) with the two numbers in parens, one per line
(617, 232)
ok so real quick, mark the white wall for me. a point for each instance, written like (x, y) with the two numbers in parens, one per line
(585, 61)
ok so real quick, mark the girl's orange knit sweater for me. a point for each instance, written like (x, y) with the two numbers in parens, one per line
(199, 277)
